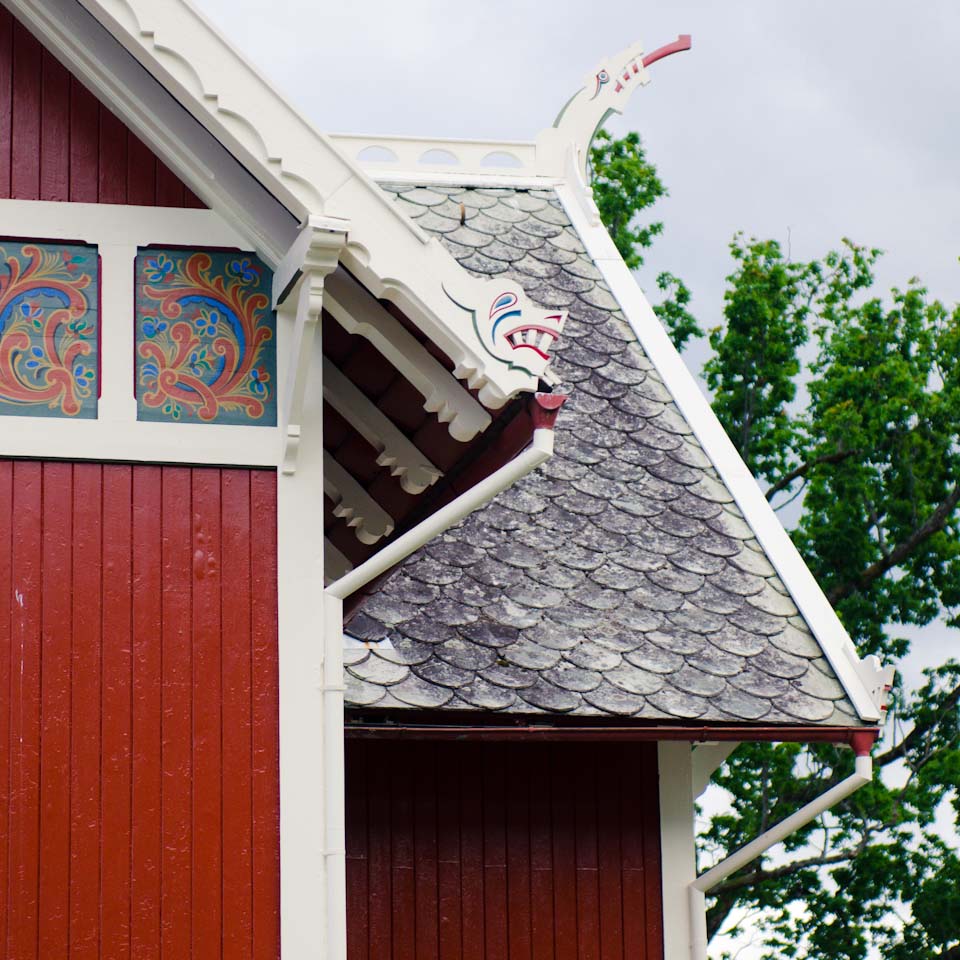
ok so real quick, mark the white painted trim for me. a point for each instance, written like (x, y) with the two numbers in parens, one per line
(303, 169)
(707, 758)
(335, 564)
(353, 504)
(302, 633)
(677, 845)
(539, 451)
(359, 313)
(428, 177)
(334, 778)
(116, 434)
(860, 678)
(394, 450)
(469, 155)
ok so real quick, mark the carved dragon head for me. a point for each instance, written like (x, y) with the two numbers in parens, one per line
(511, 329)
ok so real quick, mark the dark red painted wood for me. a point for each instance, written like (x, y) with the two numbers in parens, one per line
(6, 103)
(24, 654)
(265, 693)
(7, 672)
(58, 142)
(115, 697)
(56, 631)
(146, 613)
(139, 811)
(525, 851)
(207, 769)
(236, 699)
(85, 693)
(176, 731)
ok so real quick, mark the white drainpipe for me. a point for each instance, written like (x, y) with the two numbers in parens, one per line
(544, 410)
(862, 775)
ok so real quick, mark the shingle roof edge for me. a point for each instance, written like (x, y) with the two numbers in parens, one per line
(863, 680)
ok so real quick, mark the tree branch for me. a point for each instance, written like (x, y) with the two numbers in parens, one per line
(804, 468)
(919, 731)
(787, 870)
(933, 524)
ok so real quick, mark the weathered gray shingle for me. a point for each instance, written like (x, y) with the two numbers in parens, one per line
(620, 579)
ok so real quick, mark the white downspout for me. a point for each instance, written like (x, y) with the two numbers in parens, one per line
(334, 806)
(544, 410)
(862, 775)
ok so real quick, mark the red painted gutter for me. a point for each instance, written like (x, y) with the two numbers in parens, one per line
(856, 737)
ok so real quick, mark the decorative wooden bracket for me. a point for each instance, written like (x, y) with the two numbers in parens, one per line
(394, 450)
(360, 313)
(301, 273)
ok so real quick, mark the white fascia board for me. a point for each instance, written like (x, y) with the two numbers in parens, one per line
(859, 678)
(90, 53)
(310, 175)
(299, 165)
(429, 176)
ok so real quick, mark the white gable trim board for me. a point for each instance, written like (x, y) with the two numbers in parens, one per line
(864, 680)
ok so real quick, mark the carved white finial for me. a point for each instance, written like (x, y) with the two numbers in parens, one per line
(606, 90)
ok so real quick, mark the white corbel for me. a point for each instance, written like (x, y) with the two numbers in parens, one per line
(301, 275)
(394, 450)
(360, 313)
(353, 504)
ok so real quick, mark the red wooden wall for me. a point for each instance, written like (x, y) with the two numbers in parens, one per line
(139, 814)
(502, 851)
(58, 142)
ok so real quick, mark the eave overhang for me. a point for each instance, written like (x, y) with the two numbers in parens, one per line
(302, 171)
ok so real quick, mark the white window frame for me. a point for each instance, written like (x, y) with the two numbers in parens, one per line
(117, 231)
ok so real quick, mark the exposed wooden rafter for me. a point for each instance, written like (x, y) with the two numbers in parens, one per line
(335, 564)
(360, 313)
(394, 450)
(353, 504)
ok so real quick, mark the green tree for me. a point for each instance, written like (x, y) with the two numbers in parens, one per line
(847, 403)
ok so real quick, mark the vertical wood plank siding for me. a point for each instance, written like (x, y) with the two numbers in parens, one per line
(139, 808)
(502, 851)
(58, 142)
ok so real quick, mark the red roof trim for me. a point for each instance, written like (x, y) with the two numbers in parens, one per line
(802, 733)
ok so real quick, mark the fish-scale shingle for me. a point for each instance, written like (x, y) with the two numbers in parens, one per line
(618, 580)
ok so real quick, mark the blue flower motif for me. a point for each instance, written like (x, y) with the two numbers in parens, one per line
(244, 269)
(152, 327)
(207, 322)
(29, 310)
(149, 370)
(83, 374)
(259, 378)
(159, 268)
(199, 362)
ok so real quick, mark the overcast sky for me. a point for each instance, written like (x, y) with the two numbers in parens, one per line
(821, 118)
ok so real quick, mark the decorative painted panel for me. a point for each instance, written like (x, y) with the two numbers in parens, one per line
(49, 329)
(205, 338)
